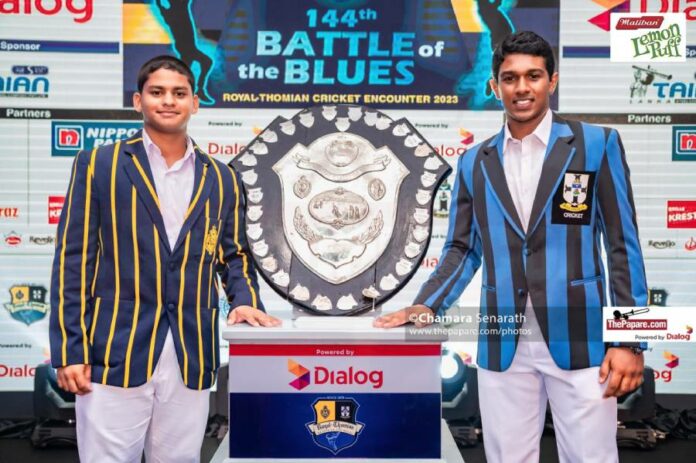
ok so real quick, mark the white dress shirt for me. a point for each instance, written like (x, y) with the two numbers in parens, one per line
(174, 185)
(522, 163)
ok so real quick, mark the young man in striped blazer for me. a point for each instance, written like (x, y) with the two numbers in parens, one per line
(532, 203)
(147, 226)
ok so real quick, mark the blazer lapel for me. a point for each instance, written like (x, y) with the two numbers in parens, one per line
(495, 177)
(139, 173)
(202, 186)
(558, 157)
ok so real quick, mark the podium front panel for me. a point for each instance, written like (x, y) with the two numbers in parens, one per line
(335, 400)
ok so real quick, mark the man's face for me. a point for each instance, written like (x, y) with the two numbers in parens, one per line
(524, 87)
(166, 102)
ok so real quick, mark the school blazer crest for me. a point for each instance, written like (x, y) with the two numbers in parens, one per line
(584, 196)
(117, 287)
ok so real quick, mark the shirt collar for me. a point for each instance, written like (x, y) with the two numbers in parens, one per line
(154, 154)
(542, 131)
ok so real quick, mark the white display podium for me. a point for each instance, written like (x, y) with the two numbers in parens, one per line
(321, 388)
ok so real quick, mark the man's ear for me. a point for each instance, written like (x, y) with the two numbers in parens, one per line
(137, 102)
(494, 87)
(196, 103)
(554, 83)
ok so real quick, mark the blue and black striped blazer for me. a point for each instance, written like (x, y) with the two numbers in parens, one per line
(557, 261)
(117, 287)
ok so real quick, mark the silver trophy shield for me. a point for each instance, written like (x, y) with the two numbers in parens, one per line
(339, 204)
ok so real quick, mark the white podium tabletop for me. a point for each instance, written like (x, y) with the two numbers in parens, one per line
(450, 454)
(312, 328)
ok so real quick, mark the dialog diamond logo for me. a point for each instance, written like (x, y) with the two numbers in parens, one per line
(301, 380)
(603, 20)
(672, 360)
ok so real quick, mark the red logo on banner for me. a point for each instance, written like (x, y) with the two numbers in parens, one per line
(24, 371)
(645, 22)
(55, 206)
(672, 360)
(690, 245)
(69, 137)
(687, 142)
(9, 212)
(681, 214)
(13, 239)
(81, 11)
(301, 380)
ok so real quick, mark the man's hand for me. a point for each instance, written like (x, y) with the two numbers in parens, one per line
(626, 370)
(252, 316)
(75, 378)
(421, 315)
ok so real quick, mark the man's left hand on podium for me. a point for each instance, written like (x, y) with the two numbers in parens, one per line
(420, 315)
(252, 316)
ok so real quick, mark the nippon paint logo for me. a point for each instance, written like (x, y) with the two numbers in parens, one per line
(70, 137)
(648, 38)
(684, 143)
(80, 10)
(321, 375)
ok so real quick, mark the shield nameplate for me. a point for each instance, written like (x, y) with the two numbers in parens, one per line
(338, 207)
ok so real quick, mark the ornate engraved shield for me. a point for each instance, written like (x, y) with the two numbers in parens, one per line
(339, 205)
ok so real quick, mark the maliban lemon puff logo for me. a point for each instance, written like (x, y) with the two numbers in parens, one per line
(648, 38)
(335, 427)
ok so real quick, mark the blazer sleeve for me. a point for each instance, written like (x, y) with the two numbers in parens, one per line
(617, 215)
(238, 273)
(461, 254)
(73, 267)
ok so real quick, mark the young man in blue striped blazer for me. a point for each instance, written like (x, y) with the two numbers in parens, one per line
(532, 204)
(148, 225)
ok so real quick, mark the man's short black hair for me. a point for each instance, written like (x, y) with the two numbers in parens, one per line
(525, 43)
(164, 62)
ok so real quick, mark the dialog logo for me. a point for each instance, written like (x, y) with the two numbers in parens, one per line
(302, 377)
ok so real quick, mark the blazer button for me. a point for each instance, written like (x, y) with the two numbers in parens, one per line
(521, 293)
(528, 252)
(172, 266)
(171, 306)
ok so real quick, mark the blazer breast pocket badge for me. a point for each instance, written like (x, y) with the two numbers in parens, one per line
(572, 202)
(211, 240)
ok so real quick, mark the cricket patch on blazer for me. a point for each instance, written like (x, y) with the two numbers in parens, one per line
(572, 203)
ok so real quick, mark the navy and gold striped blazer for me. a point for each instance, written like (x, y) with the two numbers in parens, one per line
(117, 287)
(557, 260)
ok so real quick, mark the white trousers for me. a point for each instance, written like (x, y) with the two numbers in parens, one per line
(162, 417)
(513, 408)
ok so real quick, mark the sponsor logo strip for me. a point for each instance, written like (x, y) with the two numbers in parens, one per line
(339, 350)
(290, 374)
(649, 324)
